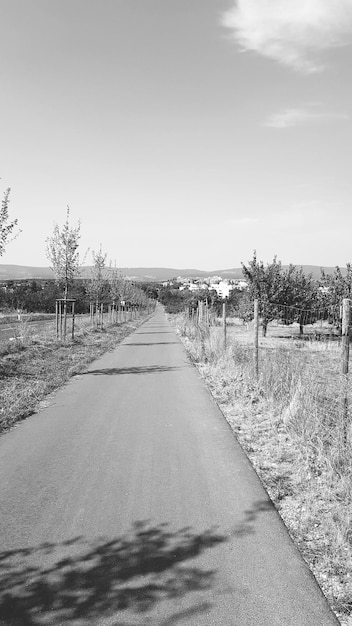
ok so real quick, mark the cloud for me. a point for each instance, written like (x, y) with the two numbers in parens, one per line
(244, 221)
(299, 117)
(293, 32)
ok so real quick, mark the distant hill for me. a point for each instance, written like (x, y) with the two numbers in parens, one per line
(152, 274)
(24, 272)
(19, 272)
(308, 269)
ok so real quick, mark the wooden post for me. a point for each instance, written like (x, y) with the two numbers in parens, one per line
(256, 338)
(345, 334)
(73, 320)
(65, 319)
(57, 319)
(224, 322)
(346, 319)
(60, 307)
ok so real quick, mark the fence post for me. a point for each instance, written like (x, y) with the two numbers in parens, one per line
(346, 319)
(207, 314)
(345, 334)
(224, 322)
(61, 319)
(57, 319)
(256, 338)
(73, 320)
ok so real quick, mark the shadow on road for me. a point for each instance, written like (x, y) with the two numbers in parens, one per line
(247, 526)
(188, 613)
(156, 343)
(78, 580)
(157, 332)
(148, 369)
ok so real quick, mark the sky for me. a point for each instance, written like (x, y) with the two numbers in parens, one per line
(180, 133)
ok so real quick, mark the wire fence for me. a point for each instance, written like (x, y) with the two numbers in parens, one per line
(301, 357)
(287, 395)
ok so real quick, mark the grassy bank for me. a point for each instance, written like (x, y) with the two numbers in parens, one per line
(291, 424)
(35, 364)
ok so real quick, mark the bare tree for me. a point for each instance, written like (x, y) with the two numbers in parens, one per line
(97, 285)
(62, 252)
(98, 276)
(117, 285)
(6, 228)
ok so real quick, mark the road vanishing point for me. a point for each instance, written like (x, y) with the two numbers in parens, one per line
(127, 501)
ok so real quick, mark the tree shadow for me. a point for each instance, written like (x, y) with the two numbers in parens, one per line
(78, 580)
(157, 332)
(187, 613)
(156, 343)
(147, 369)
(247, 526)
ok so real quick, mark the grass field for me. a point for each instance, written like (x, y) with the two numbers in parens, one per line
(36, 325)
(293, 425)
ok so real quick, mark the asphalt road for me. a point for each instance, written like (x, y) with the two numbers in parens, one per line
(127, 501)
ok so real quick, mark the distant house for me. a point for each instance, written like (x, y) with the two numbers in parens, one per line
(222, 288)
(241, 284)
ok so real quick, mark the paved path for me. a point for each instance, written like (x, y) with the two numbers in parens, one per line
(127, 501)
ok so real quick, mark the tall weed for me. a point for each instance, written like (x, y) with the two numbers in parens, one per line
(294, 425)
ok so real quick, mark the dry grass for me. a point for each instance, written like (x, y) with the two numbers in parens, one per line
(35, 364)
(292, 425)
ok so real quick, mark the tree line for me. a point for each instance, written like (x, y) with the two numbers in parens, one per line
(40, 295)
(276, 288)
(284, 294)
(105, 283)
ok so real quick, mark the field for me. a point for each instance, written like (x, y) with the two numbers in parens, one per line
(12, 329)
(295, 426)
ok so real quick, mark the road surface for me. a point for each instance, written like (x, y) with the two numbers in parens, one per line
(127, 501)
